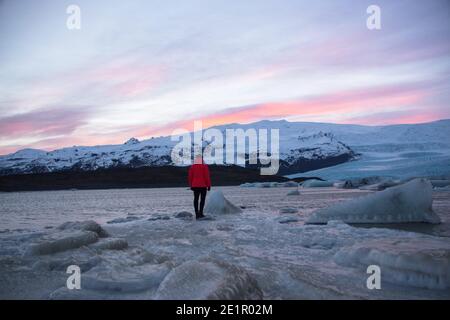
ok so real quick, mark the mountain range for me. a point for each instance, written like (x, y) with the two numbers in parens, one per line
(304, 146)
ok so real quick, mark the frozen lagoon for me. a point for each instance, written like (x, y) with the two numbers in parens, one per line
(260, 253)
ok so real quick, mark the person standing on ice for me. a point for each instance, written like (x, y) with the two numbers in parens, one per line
(200, 183)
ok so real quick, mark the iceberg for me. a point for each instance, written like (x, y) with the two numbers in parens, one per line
(216, 203)
(410, 202)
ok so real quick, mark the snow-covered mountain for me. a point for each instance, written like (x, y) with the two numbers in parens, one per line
(303, 147)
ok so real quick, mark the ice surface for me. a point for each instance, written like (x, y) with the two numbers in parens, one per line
(208, 279)
(410, 202)
(285, 258)
(216, 203)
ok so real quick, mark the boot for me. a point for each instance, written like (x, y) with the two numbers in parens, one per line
(197, 215)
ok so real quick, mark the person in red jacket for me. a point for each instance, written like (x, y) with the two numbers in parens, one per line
(200, 183)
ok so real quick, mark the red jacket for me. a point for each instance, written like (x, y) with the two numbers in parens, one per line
(199, 176)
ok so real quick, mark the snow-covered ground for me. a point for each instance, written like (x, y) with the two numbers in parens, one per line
(266, 251)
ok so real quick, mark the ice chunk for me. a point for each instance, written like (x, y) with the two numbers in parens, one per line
(216, 203)
(87, 225)
(289, 184)
(293, 193)
(62, 241)
(107, 280)
(263, 185)
(420, 262)
(123, 220)
(247, 185)
(110, 244)
(158, 217)
(125, 279)
(286, 184)
(287, 220)
(359, 182)
(440, 183)
(288, 210)
(184, 215)
(410, 202)
(381, 186)
(314, 183)
(208, 279)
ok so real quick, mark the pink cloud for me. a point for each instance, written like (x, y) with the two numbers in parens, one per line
(124, 78)
(55, 121)
(364, 106)
(367, 101)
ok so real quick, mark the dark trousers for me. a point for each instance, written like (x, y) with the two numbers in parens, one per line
(199, 193)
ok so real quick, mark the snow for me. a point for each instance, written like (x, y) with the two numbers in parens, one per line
(208, 279)
(410, 202)
(216, 203)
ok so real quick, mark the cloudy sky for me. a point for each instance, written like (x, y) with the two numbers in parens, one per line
(143, 68)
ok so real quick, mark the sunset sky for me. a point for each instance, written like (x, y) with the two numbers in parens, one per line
(143, 68)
